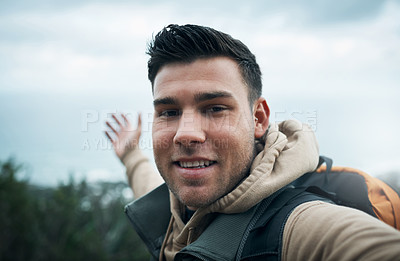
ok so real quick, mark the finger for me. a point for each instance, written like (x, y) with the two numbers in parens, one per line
(109, 137)
(127, 123)
(112, 128)
(116, 120)
(139, 123)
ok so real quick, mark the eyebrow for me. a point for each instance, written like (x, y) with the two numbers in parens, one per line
(198, 97)
(164, 101)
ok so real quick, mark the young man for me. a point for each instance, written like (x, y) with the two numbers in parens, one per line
(225, 164)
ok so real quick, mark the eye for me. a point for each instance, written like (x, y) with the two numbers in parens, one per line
(215, 109)
(169, 113)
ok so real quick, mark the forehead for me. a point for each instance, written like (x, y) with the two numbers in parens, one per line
(202, 75)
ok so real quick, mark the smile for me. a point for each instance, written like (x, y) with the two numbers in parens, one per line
(195, 164)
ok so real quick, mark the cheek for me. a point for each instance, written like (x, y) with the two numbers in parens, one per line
(239, 142)
(232, 146)
(162, 138)
(235, 129)
(233, 123)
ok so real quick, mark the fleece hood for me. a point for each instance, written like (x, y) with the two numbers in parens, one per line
(290, 151)
(287, 151)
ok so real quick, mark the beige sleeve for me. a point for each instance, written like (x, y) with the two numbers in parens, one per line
(322, 231)
(142, 176)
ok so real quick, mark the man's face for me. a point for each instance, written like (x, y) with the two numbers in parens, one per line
(203, 129)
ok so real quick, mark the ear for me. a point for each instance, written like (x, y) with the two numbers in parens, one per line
(261, 117)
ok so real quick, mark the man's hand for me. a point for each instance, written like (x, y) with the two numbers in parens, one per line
(125, 137)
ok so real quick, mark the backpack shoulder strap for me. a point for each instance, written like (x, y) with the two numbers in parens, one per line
(264, 240)
(219, 241)
(328, 162)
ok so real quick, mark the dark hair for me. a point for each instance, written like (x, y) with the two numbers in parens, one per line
(187, 43)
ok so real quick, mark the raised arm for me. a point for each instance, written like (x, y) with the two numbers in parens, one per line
(125, 138)
(142, 176)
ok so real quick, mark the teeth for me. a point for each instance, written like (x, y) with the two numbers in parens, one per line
(195, 164)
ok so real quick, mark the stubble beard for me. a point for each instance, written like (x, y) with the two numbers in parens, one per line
(212, 196)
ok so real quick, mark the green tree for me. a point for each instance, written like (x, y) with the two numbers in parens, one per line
(74, 221)
(16, 215)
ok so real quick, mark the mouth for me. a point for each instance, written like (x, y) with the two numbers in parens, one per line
(197, 164)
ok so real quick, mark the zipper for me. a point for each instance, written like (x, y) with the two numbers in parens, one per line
(259, 212)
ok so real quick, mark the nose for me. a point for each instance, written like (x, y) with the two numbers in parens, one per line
(190, 130)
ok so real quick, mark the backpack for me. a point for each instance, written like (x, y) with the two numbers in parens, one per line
(340, 185)
(353, 188)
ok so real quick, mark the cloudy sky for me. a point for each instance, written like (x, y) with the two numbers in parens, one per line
(66, 66)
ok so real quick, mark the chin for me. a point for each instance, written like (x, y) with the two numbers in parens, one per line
(196, 199)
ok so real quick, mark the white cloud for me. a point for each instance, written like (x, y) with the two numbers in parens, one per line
(343, 57)
(94, 47)
(345, 68)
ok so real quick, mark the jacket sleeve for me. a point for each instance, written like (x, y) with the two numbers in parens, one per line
(142, 176)
(322, 231)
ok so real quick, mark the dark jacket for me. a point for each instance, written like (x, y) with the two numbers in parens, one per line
(251, 235)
